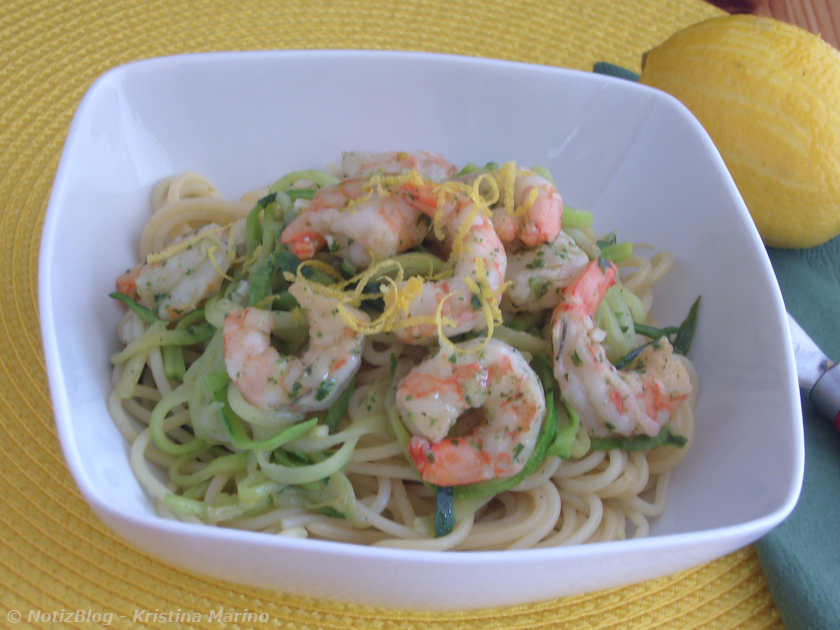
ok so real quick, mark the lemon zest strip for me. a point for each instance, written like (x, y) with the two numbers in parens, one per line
(183, 245)
(211, 256)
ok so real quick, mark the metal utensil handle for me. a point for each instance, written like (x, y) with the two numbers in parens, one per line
(826, 395)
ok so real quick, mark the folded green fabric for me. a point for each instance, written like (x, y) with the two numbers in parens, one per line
(801, 557)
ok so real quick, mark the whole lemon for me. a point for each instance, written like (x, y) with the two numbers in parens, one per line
(768, 93)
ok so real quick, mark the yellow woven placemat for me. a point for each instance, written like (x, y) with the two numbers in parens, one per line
(58, 563)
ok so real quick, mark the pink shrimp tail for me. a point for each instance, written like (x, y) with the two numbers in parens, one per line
(304, 245)
(419, 449)
(423, 198)
(506, 226)
(656, 400)
(301, 236)
(450, 462)
(544, 230)
(590, 287)
(127, 283)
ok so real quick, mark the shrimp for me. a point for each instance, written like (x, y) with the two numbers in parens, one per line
(537, 216)
(624, 402)
(271, 380)
(177, 283)
(538, 275)
(490, 387)
(358, 163)
(376, 225)
(481, 261)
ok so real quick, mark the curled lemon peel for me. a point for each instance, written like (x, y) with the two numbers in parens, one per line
(405, 297)
(351, 204)
(461, 233)
(443, 340)
(447, 191)
(532, 197)
(398, 296)
(332, 290)
(398, 302)
(370, 275)
(185, 244)
(210, 252)
(493, 190)
(422, 191)
(489, 301)
(211, 256)
(381, 184)
(480, 205)
(360, 325)
(505, 178)
(488, 298)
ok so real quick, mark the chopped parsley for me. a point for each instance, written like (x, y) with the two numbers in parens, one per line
(324, 389)
(538, 287)
(538, 262)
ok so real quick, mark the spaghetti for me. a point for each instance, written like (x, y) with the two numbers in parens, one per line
(299, 361)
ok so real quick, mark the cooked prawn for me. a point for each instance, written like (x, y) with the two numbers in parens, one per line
(480, 261)
(506, 395)
(431, 165)
(538, 212)
(639, 399)
(271, 380)
(538, 275)
(174, 284)
(376, 226)
(361, 224)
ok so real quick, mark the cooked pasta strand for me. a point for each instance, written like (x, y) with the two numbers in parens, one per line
(275, 440)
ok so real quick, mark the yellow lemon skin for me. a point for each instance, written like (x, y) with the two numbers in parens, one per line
(768, 94)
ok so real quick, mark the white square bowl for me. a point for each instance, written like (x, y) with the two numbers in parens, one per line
(632, 155)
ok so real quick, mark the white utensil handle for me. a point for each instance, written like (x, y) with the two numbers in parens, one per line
(826, 395)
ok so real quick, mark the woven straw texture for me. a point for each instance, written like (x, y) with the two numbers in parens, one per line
(57, 561)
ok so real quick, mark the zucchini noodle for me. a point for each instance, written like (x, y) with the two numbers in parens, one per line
(343, 468)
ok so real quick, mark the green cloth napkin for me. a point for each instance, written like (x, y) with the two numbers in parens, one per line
(801, 557)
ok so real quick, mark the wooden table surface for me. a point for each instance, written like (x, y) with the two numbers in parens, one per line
(817, 16)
